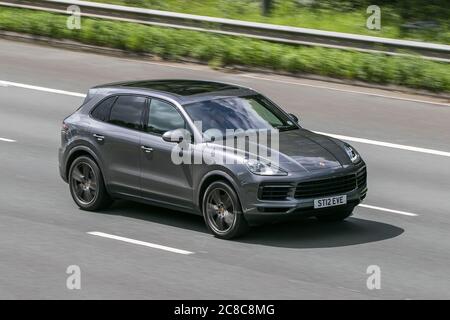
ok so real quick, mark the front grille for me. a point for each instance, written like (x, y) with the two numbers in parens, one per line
(361, 178)
(274, 192)
(325, 187)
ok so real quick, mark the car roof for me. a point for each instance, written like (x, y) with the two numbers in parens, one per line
(183, 91)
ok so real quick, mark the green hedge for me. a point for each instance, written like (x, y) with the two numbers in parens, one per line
(334, 15)
(174, 44)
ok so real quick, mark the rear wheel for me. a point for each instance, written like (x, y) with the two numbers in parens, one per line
(86, 185)
(338, 215)
(222, 211)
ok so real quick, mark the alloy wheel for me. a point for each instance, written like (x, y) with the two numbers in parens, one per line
(220, 210)
(84, 183)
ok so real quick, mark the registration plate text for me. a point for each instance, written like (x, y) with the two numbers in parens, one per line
(330, 202)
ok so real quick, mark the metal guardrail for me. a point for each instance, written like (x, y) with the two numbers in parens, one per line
(270, 32)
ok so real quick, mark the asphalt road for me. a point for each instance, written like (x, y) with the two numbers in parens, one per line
(42, 232)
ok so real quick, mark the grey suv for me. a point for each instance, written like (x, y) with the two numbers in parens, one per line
(122, 141)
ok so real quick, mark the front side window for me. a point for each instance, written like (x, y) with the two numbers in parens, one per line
(127, 112)
(163, 117)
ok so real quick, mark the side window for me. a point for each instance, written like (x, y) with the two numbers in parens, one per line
(127, 111)
(163, 117)
(102, 110)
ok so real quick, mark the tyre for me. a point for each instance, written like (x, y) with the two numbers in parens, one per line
(86, 185)
(222, 211)
(338, 215)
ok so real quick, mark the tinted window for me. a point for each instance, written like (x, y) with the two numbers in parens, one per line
(253, 112)
(127, 111)
(163, 117)
(101, 112)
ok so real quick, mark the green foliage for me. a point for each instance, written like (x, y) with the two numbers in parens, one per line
(217, 50)
(335, 15)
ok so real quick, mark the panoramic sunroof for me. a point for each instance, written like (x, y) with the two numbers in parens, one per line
(181, 87)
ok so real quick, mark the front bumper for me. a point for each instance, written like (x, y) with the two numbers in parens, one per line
(257, 210)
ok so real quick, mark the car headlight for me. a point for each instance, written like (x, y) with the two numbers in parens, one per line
(264, 169)
(352, 154)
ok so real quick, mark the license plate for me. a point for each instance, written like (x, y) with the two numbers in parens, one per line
(330, 202)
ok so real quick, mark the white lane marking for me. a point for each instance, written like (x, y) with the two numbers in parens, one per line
(361, 140)
(346, 90)
(387, 144)
(7, 140)
(167, 64)
(141, 243)
(410, 214)
(27, 86)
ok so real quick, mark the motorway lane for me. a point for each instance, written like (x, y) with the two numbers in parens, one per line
(42, 232)
(335, 112)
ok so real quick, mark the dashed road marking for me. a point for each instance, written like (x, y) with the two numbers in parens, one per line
(141, 243)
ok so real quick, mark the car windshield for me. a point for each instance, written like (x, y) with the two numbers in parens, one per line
(246, 113)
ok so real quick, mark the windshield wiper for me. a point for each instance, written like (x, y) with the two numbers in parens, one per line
(286, 128)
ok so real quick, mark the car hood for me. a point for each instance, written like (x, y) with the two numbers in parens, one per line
(303, 151)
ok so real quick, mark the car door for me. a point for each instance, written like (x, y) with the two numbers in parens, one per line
(116, 135)
(161, 179)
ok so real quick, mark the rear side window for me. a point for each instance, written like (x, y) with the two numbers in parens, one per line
(163, 117)
(127, 112)
(101, 112)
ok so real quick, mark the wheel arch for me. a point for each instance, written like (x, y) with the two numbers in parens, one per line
(78, 151)
(211, 177)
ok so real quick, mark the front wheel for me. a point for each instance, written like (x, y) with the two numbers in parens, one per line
(338, 215)
(222, 211)
(86, 185)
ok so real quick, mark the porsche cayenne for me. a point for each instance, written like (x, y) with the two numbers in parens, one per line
(122, 141)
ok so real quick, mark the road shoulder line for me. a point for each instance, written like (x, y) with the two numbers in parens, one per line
(409, 214)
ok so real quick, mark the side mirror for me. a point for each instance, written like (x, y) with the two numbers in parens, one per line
(294, 117)
(175, 136)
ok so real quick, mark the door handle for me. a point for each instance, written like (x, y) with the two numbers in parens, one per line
(146, 149)
(99, 137)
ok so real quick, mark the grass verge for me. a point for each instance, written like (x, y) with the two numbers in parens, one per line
(172, 44)
(333, 15)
